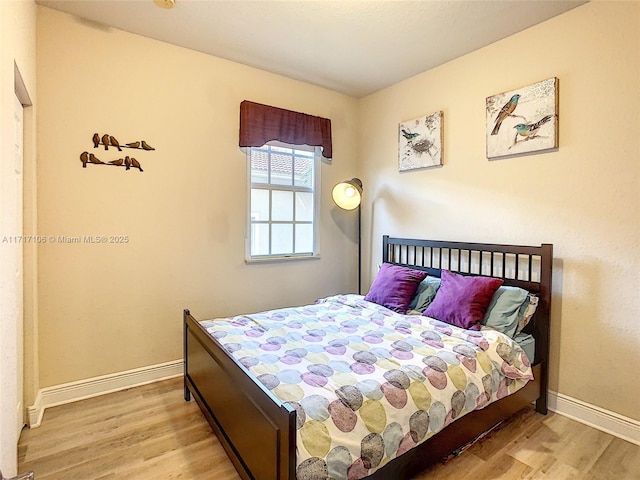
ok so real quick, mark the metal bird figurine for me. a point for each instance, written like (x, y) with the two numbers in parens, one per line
(84, 158)
(109, 140)
(530, 130)
(136, 164)
(114, 142)
(408, 135)
(505, 111)
(94, 159)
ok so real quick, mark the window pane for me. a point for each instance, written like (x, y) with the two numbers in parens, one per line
(282, 238)
(259, 205)
(281, 169)
(304, 238)
(282, 200)
(259, 166)
(282, 206)
(304, 207)
(260, 239)
(303, 175)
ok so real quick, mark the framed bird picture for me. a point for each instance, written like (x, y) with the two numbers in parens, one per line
(523, 121)
(420, 142)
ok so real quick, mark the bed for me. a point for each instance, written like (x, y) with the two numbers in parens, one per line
(259, 431)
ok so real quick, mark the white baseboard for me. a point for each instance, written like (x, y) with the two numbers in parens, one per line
(596, 417)
(93, 387)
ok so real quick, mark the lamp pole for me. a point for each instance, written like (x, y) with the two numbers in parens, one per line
(348, 196)
(359, 249)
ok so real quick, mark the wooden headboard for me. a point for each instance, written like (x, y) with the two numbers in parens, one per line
(528, 267)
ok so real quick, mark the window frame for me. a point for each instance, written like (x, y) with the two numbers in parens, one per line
(249, 257)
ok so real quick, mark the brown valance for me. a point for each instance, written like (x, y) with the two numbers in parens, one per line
(260, 124)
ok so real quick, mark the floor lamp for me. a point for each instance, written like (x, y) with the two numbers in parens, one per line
(348, 196)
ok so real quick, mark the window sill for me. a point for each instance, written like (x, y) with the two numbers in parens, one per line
(283, 258)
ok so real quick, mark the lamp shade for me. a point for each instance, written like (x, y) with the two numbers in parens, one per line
(348, 194)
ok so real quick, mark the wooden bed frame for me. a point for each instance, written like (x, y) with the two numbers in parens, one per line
(258, 431)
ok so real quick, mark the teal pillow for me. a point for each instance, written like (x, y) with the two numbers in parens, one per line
(507, 306)
(425, 294)
(527, 311)
(528, 344)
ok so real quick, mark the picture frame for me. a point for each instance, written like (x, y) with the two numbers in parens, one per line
(420, 142)
(523, 121)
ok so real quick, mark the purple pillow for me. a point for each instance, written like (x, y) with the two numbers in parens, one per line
(462, 300)
(395, 286)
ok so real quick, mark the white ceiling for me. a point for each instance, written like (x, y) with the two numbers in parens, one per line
(351, 46)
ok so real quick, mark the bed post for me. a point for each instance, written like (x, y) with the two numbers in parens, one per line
(385, 248)
(187, 393)
(544, 326)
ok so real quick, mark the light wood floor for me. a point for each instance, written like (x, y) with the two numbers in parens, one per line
(151, 433)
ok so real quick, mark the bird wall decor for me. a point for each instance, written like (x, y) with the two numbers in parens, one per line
(107, 141)
(532, 111)
(420, 142)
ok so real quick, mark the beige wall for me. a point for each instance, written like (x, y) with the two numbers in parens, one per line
(114, 307)
(109, 308)
(583, 198)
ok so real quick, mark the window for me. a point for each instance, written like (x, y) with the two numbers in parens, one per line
(283, 207)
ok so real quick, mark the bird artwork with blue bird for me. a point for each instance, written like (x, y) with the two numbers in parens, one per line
(420, 142)
(522, 121)
(505, 112)
(530, 130)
